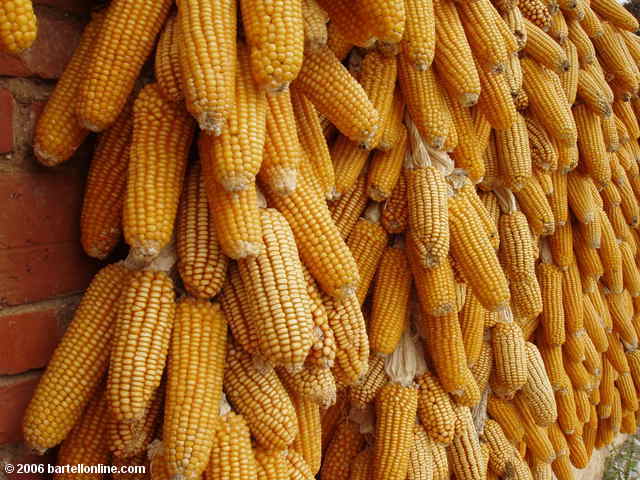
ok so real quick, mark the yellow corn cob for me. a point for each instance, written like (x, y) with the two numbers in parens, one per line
(352, 345)
(419, 39)
(385, 168)
(473, 251)
(167, 62)
(544, 50)
(87, 442)
(162, 134)
(235, 215)
(591, 23)
(348, 24)
(314, 20)
(616, 14)
(259, 396)
(317, 237)
(572, 299)
(231, 454)
(378, 79)
(589, 91)
(483, 366)
(610, 256)
(208, 68)
(283, 323)
(435, 286)
(513, 75)
(58, 132)
(490, 158)
(201, 263)
(567, 414)
(577, 35)
(349, 161)
(549, 108)
(610, 197)
(234, 156)
(613, 56)
(237, 310)
(544, 179)
(313, 143)
(440, 460)
(101, 218)
(108, 80)
(426, 103)
(536, 12)
(19, 26)
(467, 155)
(501, 452)
(427, 212)
(395, 215)
(332, 416)
(390, 301)
(561, 244)
(346, 210)
(537, 392)
(282, 151)
(367, 243)
(132, 439)
(505, 413)
(559, 29)
(543, 153)
(338, 96)
(516, 254)
(342, 450)
(363, 394)
(624, 112)
(313, 382)
(579, 196)
(420, 456)
(536, 437)
(509, 358)
(552, 316)
(308, 442)
(453, 57)
(620, 307)
(482, 127)
(630, 273)
(471, 318)
(578, 374)
(447, 351)
(627, 391)
(392, 125)
(465, 453)
(52, 412)
(396, 407)
(435, 409)
(271, 464)
(146, 312)
(362, 465)
(385, 20)
(514, 155)
(496, 102)
(483, 34)
(297, 466)
(198, 348)
(535, 206)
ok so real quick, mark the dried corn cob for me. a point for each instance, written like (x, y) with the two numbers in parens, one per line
(52, 412)
(108, 80)
(167, 62)
(146, 312)
(162, 134)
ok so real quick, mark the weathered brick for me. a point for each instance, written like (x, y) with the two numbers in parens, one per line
(15, 393)
(6, 120)
(40, 208)
(78, 7)
(58, 36)
(30, 333)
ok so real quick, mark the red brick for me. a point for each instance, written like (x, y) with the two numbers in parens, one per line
(15, 393)
(28, 338)
(6, 120)
(58, 36)
(32, 274)
(40, 208)
(79, 7)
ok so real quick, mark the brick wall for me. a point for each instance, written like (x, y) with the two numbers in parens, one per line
(42, 266)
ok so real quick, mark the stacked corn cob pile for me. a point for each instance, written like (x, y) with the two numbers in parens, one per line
(419, 220)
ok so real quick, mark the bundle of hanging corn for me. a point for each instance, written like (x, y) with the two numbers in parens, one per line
(418, 220)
